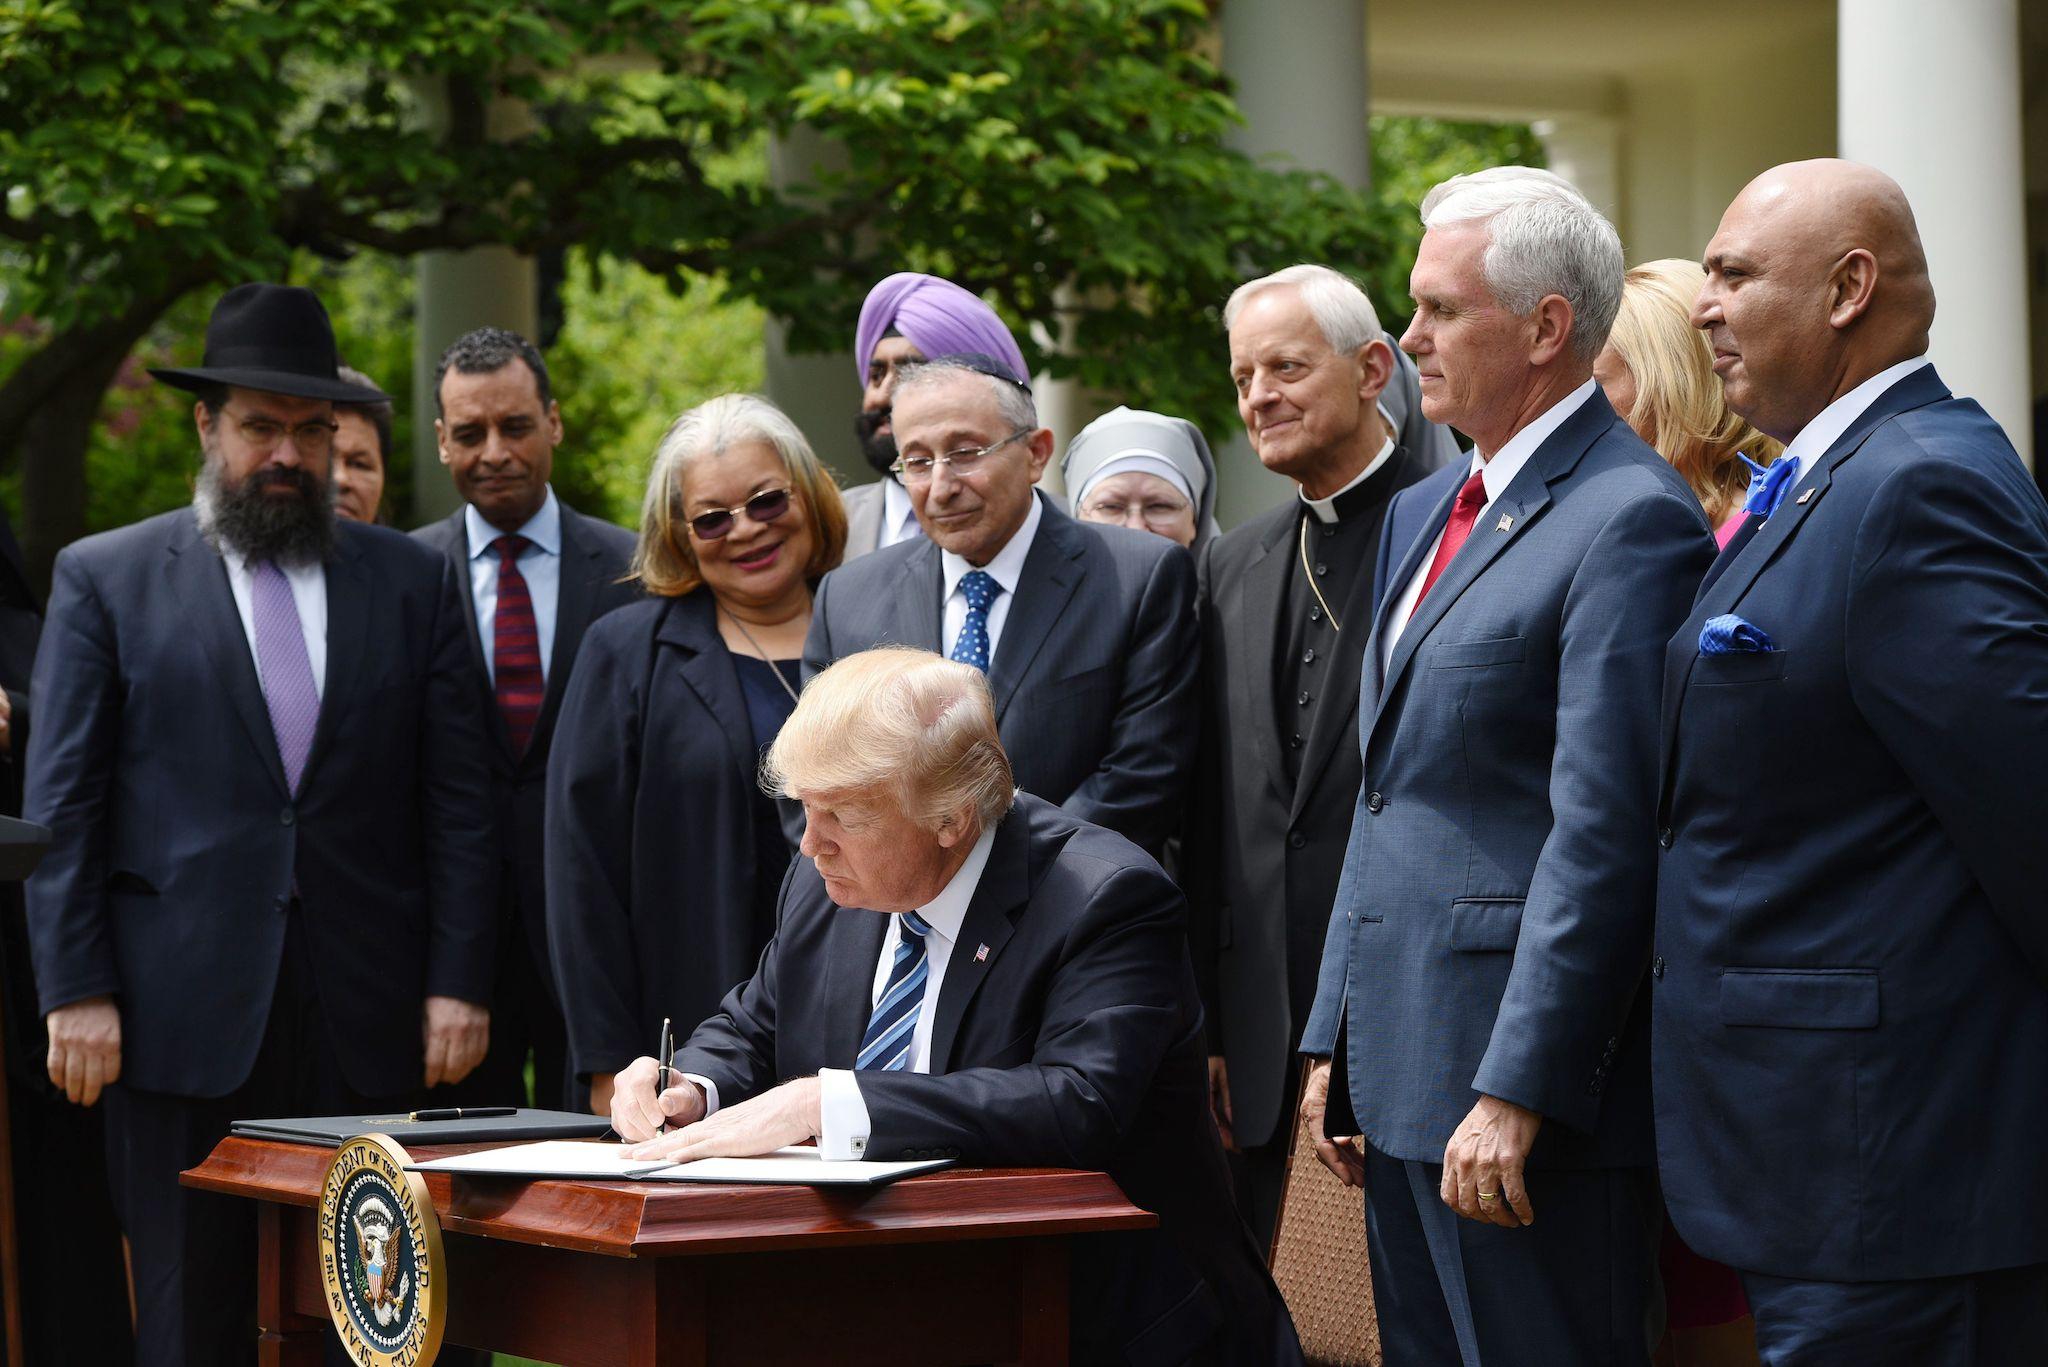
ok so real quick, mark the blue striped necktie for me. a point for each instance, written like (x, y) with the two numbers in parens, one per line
(892, 1029)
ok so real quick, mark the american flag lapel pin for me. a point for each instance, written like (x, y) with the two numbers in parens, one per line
(1507, 520)
(981, 955)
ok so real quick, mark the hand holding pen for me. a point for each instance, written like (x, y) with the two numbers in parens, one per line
(661, 1071)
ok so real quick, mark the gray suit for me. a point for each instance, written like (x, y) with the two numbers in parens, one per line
(1492, 923)
(1095, 673)
(863, 518)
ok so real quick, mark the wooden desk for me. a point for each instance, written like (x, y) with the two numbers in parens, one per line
(964, 1265)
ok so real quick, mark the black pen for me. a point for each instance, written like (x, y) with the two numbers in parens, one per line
(661, 1072)
(462, 1112)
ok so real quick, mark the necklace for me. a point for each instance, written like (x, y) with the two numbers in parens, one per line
(1302, 542)
(760, 652)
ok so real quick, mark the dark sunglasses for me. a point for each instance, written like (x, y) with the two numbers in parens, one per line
(765, 506)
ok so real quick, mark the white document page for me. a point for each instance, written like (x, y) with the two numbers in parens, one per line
(548, 1158)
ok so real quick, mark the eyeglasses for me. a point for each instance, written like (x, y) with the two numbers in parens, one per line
(1159, 514)
(765, 506)
(918, 469)
(264, 434)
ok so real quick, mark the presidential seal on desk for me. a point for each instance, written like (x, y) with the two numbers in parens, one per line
(380, 1256)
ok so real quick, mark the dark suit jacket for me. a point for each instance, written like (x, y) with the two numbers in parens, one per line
(1095, 677)
(1851, 1005)
(1492, 922)
(178, 845)
(1076, 1042)
(1264, 853)
(651, 831)
(594, 556)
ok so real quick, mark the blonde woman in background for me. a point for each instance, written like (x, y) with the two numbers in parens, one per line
(1658, 372)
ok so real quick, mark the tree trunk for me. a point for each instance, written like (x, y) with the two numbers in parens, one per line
(47, 409)
(52, 457)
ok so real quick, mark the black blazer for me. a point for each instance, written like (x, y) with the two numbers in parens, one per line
(1075, 1042)
(595, 554)
(1095, 677)
(178, 845)
(651, 854)
(1263, 853)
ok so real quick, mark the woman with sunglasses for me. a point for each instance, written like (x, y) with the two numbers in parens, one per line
(663, 855)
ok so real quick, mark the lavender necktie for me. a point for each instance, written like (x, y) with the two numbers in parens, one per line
(285, 668)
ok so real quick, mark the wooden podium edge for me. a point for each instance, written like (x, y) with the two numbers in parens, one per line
(666, 1220)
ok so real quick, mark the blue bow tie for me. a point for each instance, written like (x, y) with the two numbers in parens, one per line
(1768, 487)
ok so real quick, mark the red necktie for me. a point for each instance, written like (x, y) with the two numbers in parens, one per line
(515, 646)
(1464, 513)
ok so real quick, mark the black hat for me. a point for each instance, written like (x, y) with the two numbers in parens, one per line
(275, 338)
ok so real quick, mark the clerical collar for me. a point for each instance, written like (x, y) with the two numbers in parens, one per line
(1335, 507)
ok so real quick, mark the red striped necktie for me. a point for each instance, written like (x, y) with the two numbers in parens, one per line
(515, 646)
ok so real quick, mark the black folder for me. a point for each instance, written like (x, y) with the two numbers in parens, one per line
(334, 1130)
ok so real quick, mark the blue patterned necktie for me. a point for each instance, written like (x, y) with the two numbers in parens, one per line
(979, 589)
(284, 667)
(892, 1028)
(1768, 487)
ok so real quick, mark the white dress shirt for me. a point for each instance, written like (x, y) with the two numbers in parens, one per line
(1325, 509)
(1497, 473)
(309, 595)
(1838, 417)
(540, 565)
(1006, 568)
(899, 520)
(844, 1126)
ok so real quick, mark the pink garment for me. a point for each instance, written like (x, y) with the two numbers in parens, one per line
(1725, 533)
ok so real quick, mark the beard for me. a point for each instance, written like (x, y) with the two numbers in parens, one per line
(879, 448)
(243, 516)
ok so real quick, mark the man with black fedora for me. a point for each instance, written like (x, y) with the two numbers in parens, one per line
(272, 882)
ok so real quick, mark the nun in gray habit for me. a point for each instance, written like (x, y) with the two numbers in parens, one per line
(1146, 471)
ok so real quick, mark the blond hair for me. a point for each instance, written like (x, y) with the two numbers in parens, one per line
(663, 561)
(1679, 405)
(901, 721)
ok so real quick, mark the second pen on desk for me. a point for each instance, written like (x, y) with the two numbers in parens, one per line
(661, 1073)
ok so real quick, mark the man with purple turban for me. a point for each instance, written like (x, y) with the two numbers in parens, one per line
(909, 318)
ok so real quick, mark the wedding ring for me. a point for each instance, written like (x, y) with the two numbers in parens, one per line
(1486, 1196)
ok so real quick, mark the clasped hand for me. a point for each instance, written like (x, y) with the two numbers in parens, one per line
(788, 1114)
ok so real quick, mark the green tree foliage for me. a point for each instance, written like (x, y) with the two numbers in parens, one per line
(1044, 151)
(631, 356)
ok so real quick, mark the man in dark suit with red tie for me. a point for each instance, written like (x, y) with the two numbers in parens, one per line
(261, 757)
(538, 573)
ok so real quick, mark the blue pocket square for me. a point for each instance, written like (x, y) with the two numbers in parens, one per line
(1730, 635)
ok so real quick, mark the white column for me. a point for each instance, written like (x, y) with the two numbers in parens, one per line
(455, 293)
(1586, 150)
(820, 393)
(1931, 97)
(1301, 77)
(458, 292)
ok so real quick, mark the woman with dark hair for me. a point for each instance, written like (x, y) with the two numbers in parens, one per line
(664, 856)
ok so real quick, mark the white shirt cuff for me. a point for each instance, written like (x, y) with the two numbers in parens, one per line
(843, 1125)
(710, 1090)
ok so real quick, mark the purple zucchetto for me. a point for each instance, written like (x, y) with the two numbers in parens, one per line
(938, 318)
